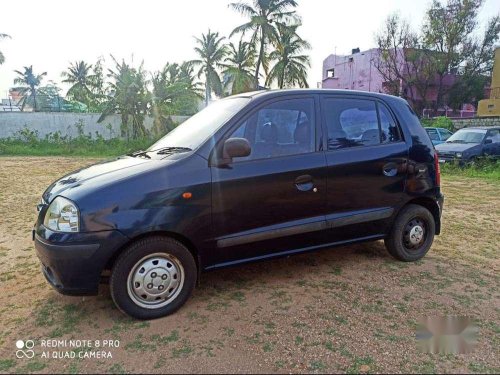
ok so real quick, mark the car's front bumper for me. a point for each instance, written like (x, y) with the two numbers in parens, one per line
(446, 158)
(73, 262)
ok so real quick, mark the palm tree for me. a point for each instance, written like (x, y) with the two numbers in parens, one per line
(2, 57)
(174, 91)
(239, 67)
(29, 83)
(128, 96)
(80, 78)
(290, 67)
(212, 52)
(265, 16)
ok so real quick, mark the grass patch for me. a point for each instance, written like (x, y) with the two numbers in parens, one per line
(485, 168)
(80, 146)
(183, 351)
(361, 365)
(316, 365)
(6, 364)
(267, 347)
(64, 318)
(34, 366)
(173, 337)
(117, 369)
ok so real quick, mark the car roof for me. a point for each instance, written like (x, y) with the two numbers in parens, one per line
(285, 92)
(433, 127)
(480, 128)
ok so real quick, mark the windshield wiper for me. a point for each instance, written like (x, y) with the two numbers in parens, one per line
(456, 141)
(171, 150)
(140, 153)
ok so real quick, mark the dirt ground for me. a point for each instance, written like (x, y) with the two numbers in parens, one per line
(350, 309)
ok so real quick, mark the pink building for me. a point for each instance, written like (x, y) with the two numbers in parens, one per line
(352, 72)
(358, 71)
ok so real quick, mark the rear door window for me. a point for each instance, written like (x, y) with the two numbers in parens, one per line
(358, 122)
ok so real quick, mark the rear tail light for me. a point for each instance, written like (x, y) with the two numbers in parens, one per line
(437, 168)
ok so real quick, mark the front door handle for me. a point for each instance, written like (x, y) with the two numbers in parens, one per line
(390, 169)
(304, 183)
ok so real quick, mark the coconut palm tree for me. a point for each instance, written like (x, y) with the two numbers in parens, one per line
(29, 83)
(128, 96)
(290, 65)
(79, 76)
(212, 52)
(239, 67)
(264, 17)
(2, 57)
(174, 91)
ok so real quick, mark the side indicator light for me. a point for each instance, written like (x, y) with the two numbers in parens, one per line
(187, 195)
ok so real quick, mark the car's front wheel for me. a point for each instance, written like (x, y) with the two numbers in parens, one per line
(412, 233)
(153, 277)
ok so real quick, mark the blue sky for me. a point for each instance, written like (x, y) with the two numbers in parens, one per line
(50, 34)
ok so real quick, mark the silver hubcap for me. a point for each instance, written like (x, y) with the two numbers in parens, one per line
(155, 280)
(414, 234)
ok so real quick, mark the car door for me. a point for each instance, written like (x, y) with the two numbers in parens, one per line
(275, 199)
(366, 162)
(491, 146)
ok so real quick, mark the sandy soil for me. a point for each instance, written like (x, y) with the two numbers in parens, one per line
(350, 309)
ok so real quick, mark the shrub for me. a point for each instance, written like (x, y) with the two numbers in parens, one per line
(439, 122)
(27, 142)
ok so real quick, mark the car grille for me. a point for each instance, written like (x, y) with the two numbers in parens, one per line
(446, 155)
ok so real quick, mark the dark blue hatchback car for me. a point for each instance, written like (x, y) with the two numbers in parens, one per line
(468, 144)
(251, 177)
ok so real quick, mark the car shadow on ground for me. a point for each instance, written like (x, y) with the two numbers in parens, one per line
(289, 271)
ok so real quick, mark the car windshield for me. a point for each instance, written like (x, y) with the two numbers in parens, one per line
(467, 136)
(193, 132)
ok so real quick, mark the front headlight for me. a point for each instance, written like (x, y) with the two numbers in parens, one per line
(458, 154)
(62, 216)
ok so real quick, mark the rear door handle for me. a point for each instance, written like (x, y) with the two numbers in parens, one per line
(390, 169)
(304, 183)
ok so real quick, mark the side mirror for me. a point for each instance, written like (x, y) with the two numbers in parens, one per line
(488, 141)
(236, 148)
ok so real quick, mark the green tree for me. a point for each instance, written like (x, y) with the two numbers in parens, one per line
(290, 65)
(97, 86)
(2, 57)
(239, 68)
(49, 99)
(79, 76)
(174, 92)
(449, 31)
(469, 88)
(212, 52)
(264, 18)
(128, 96)
(28, 82)
(406, 68)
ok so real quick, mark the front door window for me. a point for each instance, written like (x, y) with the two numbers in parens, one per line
(279, 129)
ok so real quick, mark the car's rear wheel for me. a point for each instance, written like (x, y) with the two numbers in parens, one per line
(412, 234)
(153, 277)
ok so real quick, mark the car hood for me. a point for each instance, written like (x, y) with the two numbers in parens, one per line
(108, 171)
(455, 147)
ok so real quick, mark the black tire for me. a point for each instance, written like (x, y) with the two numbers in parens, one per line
(398, 243)
(134, 255)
